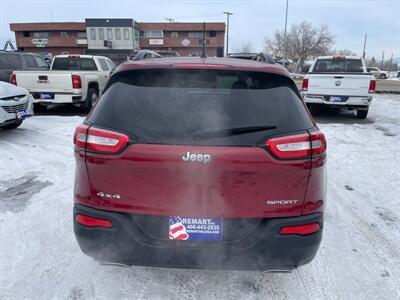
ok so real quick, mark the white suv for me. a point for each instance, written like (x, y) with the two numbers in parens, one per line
(15, 105)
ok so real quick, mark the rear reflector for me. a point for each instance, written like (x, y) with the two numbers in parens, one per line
(99, 140)
(298, 146)
(305, 229)
(372, 86)
(13, 79)
(304, 86)
(76, 82)
(92, 221)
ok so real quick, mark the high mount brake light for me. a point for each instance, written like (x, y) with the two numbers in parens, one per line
(298, 146)
(304, 86)
(99, 140)
(372, 86)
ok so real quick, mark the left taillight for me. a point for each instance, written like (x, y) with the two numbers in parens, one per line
(304, 85)
(13, 79)
(99, 140)
(298, 146)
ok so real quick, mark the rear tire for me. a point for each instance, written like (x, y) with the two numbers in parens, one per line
(362, 114)
(12, 125)
(91, 99)
(382, 76)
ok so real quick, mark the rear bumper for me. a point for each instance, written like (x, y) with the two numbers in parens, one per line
(59, 98)
(351, 101)
(261, 249)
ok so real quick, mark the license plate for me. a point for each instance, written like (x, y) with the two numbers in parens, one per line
(46, 96)
(335, 99)
(195, 229)
(21, 114)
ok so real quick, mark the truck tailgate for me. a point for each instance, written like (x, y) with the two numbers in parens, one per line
(339, 84)
(47, 81)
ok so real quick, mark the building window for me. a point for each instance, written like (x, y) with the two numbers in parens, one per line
(117, 33)
(195, 34)
(174, 34)
(64, 34)
(126, 34)
(109, 34)
(40, 34)
(92, 34)
(212, 33)
(26, 34)
(82, 35)
(152, 34)
(101, 34)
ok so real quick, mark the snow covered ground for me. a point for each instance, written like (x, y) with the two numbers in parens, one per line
(359, 257)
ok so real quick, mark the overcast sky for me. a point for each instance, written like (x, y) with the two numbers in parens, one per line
(252, 21)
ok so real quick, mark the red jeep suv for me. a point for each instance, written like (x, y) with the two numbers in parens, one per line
(200, 163)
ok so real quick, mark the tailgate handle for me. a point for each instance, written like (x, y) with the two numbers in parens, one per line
(42, 77)
(338, 77)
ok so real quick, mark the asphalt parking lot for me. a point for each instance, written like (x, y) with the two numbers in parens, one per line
(359, 256)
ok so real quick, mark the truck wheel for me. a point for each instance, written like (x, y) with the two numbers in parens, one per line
(91, 99)
(12, 125)
(362, 114)
(382, 76)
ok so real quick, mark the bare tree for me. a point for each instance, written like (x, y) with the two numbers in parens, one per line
(303, 41)
(342, 52)
(245, 48)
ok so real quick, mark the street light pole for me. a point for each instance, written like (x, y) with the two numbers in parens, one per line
(365, 43)
(284, 36)
(227, 31)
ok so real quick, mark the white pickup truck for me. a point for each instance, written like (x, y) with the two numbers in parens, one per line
(76, 79)
(339, 81)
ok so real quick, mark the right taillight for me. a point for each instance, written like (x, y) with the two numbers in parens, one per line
(372, 86)
(76, 82)
(99, 140)
(298, 146)
(13, 79)
(304, 86)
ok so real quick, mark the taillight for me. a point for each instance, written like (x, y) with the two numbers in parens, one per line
(92, 221)
(298, 146)
(76, 82)
(99, 140)
(304, 86)
(305, 229)
(372, 86)
(13, 79)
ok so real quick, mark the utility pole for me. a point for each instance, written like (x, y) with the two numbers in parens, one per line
(170, 20)
(383, 57)
(227, 31)
(365, 43)
(284, 35)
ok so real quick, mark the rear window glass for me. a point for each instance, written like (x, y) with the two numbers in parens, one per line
(338, 66)
(72, 63)
(178, 106)
(14, 61)
(4, 65)
(30, 61)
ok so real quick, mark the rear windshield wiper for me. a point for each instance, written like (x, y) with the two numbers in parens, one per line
(205, 134)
